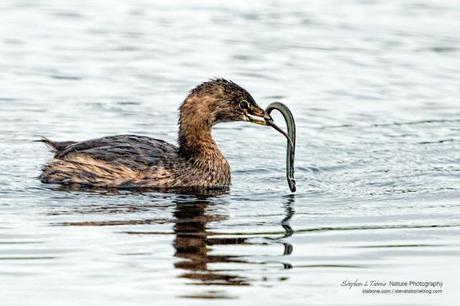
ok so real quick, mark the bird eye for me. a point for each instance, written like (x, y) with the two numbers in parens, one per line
(244, 104)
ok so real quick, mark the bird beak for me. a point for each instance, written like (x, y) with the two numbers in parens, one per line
(258, 116)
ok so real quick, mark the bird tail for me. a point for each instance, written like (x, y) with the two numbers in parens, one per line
(50, 144)
(55, 146)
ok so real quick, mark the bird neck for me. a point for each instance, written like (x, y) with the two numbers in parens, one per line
(195, 125)
(197, 146)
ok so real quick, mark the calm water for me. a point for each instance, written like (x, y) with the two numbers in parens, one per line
(374, 87)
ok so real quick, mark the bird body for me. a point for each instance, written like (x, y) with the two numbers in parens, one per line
(132, 161)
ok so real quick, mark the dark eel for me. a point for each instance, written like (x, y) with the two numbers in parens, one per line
(290, 136)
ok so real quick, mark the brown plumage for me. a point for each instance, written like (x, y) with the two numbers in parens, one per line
(130, 161)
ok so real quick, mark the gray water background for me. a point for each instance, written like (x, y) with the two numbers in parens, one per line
(374, 87)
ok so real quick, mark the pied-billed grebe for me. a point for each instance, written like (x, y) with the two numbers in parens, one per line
(130, 161)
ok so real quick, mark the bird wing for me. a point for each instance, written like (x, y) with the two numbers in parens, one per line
(135, 152)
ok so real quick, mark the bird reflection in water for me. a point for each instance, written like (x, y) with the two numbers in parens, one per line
(194, 244)
(193, 240)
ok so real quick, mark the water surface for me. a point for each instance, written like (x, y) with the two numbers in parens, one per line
(374, 89)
